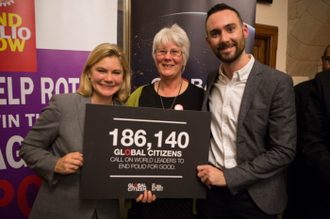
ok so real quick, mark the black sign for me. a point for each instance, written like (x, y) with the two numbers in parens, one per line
(131, 149)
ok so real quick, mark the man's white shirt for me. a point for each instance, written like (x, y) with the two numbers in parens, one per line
(224, 104)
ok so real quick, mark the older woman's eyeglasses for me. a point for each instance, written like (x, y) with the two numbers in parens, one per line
(173, 52)
(327, 60)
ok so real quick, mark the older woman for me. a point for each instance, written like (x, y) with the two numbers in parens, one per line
(53, 147)
(170, 52)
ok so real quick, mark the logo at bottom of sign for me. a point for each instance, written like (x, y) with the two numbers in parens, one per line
(138, 187)
(156, 187)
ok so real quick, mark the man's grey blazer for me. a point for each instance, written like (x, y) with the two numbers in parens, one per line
(58, 131)
(266, 136)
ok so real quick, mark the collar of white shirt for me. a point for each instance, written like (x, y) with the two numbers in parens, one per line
(242, 74)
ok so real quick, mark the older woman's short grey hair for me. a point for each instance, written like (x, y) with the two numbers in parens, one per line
(173, 34)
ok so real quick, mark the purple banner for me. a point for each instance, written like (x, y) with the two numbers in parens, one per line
(22, 96)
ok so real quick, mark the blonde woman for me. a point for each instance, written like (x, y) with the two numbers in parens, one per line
(53, 147)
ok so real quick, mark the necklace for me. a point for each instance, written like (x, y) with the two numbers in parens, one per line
(161, 100)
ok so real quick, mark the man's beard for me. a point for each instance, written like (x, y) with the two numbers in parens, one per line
(239, 48)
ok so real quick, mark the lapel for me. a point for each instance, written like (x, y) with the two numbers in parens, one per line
(249, 92)
(81, 109)
(213, 76)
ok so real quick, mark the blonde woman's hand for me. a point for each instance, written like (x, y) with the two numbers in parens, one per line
(70, 163)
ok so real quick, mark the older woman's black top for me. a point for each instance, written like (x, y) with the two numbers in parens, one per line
(191, 99)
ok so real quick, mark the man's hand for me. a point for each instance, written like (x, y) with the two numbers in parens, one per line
(146, 197)
(70, 163)
(211, 176)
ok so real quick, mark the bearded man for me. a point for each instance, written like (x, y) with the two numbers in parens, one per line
(253, 127)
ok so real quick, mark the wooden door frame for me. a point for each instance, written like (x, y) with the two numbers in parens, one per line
(270, 34)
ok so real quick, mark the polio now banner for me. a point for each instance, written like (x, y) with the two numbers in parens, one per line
(18, 39)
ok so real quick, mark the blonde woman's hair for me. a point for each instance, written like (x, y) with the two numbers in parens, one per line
(101, 51)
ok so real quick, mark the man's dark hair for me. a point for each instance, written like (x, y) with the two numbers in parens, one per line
(221, 7)
(325, 51)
